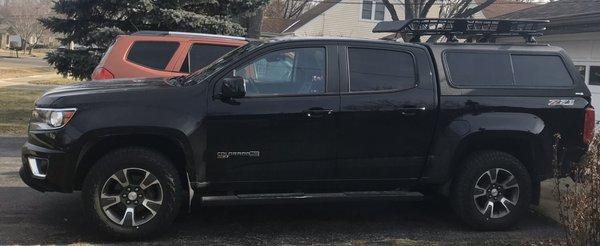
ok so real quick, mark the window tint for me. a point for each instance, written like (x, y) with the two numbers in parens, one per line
(479, 69)
(375, 70)
(540, 71)
(201, 55)
(594, 75)
(504, 69)
(154, 54)
(286, 72)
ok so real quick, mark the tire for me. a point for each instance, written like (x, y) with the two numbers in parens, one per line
(472, 204)
(155, 193)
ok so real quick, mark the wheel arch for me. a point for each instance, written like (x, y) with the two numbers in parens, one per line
(170, 143)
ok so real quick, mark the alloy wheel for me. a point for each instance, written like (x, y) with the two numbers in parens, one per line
(496, 192)
(131, 197)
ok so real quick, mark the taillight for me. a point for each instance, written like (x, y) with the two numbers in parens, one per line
(102, 73)
(589, 124)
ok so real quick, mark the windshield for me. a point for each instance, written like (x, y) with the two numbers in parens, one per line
(220, 63)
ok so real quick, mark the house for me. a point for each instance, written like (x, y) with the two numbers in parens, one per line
(356, 18)
(575, 26)
(345, 18)
(503, 7)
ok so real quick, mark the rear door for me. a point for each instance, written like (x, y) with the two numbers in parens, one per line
(388, 111)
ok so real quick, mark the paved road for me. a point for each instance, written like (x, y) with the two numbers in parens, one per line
(30, 217)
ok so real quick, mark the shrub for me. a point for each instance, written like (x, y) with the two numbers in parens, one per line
(579, 204)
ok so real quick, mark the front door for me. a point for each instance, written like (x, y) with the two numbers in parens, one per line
(387, 113)
(284, 128)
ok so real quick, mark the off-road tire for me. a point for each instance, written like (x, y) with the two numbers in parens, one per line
(469, 173)
(141, 158)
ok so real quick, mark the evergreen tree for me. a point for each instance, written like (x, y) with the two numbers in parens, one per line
(94, 24)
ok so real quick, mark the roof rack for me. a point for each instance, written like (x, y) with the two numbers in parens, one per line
(193, 34)
(479, 30)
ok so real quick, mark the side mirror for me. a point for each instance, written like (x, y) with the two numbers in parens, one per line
(233, 87)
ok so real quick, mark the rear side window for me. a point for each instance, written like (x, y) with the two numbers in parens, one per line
(153, 54)
(504, 69)
(377, 70)
(540, 71)
(201, 55)
(479, 69)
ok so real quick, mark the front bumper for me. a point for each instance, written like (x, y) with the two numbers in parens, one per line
(58, 176)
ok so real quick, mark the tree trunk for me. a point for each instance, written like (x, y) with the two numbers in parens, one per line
(255, 24)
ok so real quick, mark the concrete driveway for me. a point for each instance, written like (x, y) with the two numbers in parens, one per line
(31, 217)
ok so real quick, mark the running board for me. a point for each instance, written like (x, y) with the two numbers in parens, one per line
(312, 197)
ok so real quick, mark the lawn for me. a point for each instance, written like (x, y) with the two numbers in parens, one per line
(16, 103)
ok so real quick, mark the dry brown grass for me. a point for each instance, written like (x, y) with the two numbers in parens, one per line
(16, 72)
(16, 104)
(579, 204)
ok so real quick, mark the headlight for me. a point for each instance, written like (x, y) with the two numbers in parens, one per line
(50, 118)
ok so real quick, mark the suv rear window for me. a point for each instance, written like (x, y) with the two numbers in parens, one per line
(377, 70)
(201, 55)
(504, 69)
(153, 54)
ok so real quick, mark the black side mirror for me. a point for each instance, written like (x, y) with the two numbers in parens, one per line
(233, 87)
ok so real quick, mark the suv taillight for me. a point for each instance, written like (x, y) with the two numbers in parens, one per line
(102, 73)
(589, 124)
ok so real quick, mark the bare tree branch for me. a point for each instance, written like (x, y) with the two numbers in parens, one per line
(391, 9)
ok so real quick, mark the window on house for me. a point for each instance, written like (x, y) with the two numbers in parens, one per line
(373, 10)
(367, 9)
(594, 75)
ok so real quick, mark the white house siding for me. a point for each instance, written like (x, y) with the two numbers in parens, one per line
(344, 20)
(584, 49)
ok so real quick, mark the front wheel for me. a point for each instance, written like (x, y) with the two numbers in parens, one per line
(491, 190)
(132, 192)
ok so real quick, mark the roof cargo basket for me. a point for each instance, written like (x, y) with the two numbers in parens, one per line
(480, 30)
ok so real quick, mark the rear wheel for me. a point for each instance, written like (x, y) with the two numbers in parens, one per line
(491, 191)
(132, 192)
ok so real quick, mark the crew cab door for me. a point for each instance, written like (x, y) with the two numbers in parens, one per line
(284, 128)
(388, 111)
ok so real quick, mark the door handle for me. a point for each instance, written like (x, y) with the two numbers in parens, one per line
(410, 111)
(317, 112)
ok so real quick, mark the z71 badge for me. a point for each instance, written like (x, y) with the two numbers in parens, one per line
(227, 155)
(561, 102)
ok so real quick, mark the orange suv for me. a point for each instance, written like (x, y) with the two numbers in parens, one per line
(162, 54)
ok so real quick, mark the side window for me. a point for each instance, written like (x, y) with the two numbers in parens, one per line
(479, 69)
(540, 71)
(594, 75)
(153, 54)
(377, 70)
(200, 55)
(298, 71)
(507, 70)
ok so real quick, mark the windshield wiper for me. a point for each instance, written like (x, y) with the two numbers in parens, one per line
(178, 80)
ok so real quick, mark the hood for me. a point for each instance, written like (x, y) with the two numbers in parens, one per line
(91, 88)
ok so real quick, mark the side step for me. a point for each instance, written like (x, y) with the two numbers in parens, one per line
(312, 197)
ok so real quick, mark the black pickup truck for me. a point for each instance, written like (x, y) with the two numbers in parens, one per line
(306, 117)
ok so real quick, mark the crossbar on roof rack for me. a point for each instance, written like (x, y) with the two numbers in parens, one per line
(479, 29)
(191, 34)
